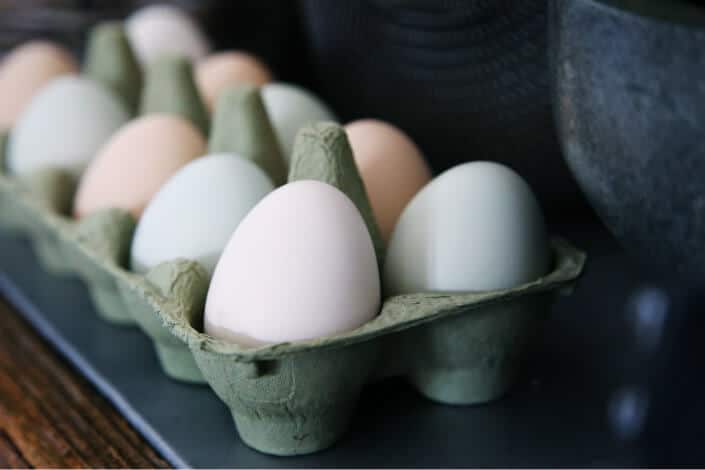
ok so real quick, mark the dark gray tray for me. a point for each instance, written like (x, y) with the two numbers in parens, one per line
(556, 416)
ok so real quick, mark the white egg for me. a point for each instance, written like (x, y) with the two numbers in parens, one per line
(64, 125)
(290, 108)
(196, 211)
(158, 30)
(301, 265)
(475, 227)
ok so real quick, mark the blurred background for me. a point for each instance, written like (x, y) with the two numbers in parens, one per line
(466, 80)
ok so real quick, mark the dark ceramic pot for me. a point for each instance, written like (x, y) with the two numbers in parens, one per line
(629, 102)
(466, 79)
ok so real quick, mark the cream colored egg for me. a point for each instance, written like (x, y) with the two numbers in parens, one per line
(165, 30)
(25, 70)
(475, 227)
(391, 166)
(64, 126)
(194, 214)
(300, 265)
(219, 71)
(136, 162)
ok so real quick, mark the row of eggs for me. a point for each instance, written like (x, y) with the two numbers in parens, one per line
(154, 31)
(302, 257)
(290, 263)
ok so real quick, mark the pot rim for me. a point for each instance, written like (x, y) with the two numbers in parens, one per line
(677, 12)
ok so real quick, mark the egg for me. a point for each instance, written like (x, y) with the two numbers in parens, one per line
(194, 214)
(300, 265)
(290, 108)
(219, 71)
(64, 125)
(391, 167)
(165, 30)
(135, 162)
(25, 70)
(475, 227)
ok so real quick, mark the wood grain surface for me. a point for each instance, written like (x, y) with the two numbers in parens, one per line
(52, 417)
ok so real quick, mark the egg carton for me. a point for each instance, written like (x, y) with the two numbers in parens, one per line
(286, 398)
(294, 398)
(110, 61)
(96, 248)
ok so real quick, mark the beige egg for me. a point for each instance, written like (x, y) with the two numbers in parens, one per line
(218, 71)
(391, 166)
(25, 70)
(136, 162)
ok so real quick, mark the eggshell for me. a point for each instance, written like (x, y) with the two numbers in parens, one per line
(25, 70)
(475, 227)
(300, 265)
(64, 125)
(219, 71)
(391, 166)
(135, 162)
(194, 214)
(165, 30)
(290, 108)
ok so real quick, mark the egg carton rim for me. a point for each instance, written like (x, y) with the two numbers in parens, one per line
(394, 314)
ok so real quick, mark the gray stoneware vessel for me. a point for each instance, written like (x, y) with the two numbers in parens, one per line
(629, 100)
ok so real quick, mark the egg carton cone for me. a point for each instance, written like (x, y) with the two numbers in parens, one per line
(170, 88)
(110, 60)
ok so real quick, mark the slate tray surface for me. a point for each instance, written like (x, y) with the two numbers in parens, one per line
(555, 416)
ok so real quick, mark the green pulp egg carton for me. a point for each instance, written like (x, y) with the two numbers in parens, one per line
(39, 204)
(110, 61)
(36, 204)
(298, 397)
(285, 398)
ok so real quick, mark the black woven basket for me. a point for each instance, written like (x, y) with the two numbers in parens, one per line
(468, 79)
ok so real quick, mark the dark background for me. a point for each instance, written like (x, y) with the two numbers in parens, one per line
(467, 80)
